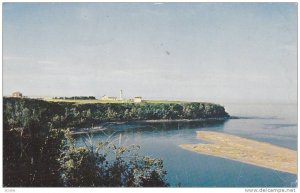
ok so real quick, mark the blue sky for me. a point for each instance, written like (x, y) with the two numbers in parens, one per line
(218, 52)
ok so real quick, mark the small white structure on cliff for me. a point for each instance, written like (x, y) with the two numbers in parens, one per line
(108, 98)
(121, 95)
(17, 94)
(137, 99)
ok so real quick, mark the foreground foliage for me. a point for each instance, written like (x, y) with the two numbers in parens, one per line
(36, 153)
(109, 166)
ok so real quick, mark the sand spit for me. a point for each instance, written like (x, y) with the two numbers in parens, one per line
(246, 151)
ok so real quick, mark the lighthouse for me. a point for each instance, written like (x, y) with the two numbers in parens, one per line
(121, 94)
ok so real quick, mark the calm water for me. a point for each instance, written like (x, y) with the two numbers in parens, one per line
(275, 124)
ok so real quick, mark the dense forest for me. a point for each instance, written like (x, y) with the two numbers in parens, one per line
(62, 115)
(39, 151)
(85, 115)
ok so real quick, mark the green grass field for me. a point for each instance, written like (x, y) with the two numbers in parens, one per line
(108, 101)
(83, 101)
(163, 101)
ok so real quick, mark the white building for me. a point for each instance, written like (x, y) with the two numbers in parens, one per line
(108, 98)
(137, 99)
(17, 95)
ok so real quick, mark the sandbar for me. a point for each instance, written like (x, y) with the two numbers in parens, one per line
(245, 150)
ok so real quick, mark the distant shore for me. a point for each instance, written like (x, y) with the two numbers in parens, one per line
(246, 151)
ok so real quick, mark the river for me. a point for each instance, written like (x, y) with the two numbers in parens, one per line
(275, 124)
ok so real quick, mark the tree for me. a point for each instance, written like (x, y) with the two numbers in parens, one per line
(109, 166)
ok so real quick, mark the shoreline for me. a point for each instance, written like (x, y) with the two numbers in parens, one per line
(176, 120)
(79, 131)
(244, 150)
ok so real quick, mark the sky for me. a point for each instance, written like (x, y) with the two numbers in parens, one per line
(216, 52)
